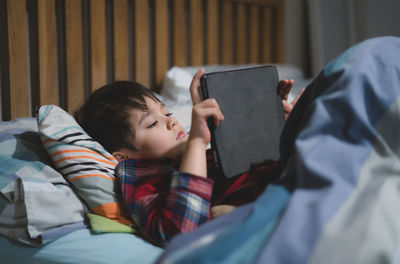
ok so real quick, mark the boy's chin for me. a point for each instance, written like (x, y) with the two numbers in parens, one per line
(178, 151)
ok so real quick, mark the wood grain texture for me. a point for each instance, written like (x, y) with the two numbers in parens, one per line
(74, 52)
(47, 52)
(280, 32)
(267, 47)
(18, 59)
(212, 56)
(161, 55)
(241, 34)
(179, 33)
(255, 20)
(266, 3)
(227, 32)
(98, 52)
(121, 40)
(196, 32)
(142, 42)
(165, 33)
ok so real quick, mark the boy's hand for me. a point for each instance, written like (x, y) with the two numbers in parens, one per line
(194, 158)
(195, 87)
(285, 86)
(201, 112)
(219, 210)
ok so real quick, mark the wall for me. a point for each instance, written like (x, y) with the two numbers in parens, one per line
(336, 25)
(316, 31)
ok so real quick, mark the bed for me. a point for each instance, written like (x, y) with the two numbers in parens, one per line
(57, 52)
(54, 53)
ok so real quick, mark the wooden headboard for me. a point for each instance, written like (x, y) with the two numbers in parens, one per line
(58, 51)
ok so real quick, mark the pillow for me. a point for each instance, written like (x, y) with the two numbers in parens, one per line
(82, 161)
(35, 199)
(100, 225)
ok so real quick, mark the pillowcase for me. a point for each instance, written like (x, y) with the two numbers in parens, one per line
(84, 163)
(37, 205)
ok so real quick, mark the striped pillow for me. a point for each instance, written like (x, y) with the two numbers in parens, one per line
(82, 161)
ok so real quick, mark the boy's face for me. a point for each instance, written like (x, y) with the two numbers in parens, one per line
(158, 134)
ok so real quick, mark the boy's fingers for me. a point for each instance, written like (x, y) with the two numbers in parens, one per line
(294, 101)
(210, 102)
(207, 112)
(195, 86)
(285, 86)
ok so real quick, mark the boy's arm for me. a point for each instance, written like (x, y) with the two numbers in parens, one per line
(162, 209)
(194, 158)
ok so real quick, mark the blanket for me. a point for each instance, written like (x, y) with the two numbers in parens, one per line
(338, 196)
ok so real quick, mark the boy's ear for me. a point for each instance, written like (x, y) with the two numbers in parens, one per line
(124, 154)
(118, 155)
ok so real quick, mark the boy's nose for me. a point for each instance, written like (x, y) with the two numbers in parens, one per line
(171, 123)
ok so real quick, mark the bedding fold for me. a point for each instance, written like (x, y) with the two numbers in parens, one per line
(38, 205)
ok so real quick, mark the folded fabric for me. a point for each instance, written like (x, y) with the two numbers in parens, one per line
(99, 224)
(35, 198)
(83, 162)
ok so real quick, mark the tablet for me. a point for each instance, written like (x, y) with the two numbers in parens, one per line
(253, 111)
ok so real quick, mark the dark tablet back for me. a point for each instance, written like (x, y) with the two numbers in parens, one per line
(253, 113)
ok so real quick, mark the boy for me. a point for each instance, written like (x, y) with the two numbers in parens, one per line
(168, 178)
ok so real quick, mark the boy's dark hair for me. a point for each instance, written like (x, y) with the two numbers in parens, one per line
(104, 116)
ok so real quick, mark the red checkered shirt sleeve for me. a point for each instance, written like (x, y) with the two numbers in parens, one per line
(161, 201)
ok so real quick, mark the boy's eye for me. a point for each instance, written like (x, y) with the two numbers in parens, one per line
(169, 114)
(153, 124)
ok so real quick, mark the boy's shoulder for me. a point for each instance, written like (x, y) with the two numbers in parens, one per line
(140, 167)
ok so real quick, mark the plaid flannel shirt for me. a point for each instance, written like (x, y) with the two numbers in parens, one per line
(163, 202)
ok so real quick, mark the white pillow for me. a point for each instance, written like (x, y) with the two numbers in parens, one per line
(175, 87)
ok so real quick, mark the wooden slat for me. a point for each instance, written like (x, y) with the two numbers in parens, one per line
(269, 3)
(227, 33)
(142, 42)
(98, 56)
(74, 53)
(47, 52)
(4, 64)
(267, 36)
(280, 32)
(196, 32)
(18, 56)
(121, 40)
(254, 33)
(212, 32)
(179, 33)
(161, 41)
(241, 36)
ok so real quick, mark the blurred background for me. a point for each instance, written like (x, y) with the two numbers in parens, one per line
(319, 30)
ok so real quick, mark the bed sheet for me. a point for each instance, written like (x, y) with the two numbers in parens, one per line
(82, 247)
(37, 204)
